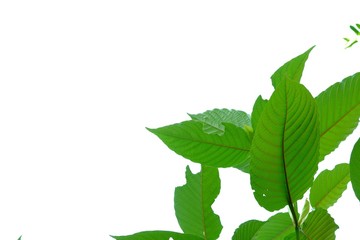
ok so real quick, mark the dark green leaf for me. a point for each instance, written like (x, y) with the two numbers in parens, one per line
(346, 39)
(213, 120)
(276, 228)
(193, 203)
(284, 153)
(189, 140)
(355, 168)
(258, 108)
(339, 112)
(292, 70)
(247, 230)
(158, 235)
(355, 30)
(358, 26)
(329, 186)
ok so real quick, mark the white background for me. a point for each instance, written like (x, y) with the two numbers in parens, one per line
(80, 81)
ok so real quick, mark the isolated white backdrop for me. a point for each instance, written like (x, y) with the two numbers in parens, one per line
(80, 81)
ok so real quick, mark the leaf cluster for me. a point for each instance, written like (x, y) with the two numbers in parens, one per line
(280, 144)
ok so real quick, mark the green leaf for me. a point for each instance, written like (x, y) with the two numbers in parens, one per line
(158, 235)
(304, 212)
(258, 108)
(358, 26)
(319, 225)
(213, 120)
(20, 238)
(193, 203)
(355, 30)
(284, 152)
(292, 70)
(188, 140)
(339, 112)
(329, 186)
(355, 168)
(347, 39)
(355, 41)
(276, 228)
(247, 230)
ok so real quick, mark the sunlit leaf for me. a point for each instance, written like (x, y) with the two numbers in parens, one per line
(276, 228)
(247, 230)
(258, 108)
(158, 235)
(329, 186)
(213, 119)
(284, 153)
(193, 203)
(292, 70)
(305, 211)
(355, 168)
(339, 112)
(189, 140)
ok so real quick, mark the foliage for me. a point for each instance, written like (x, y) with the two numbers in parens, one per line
(351, 41)
(280, 145)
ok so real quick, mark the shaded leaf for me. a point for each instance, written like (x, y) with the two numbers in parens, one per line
(188, 140)
(258, 108)
(339, 112)
(355, 168)
(284, 153)
(158, 235)
(292, 70)
(193, 203)
(319, 225)
(247, 230)
(276, 227)
(329, 186)
(213, 119)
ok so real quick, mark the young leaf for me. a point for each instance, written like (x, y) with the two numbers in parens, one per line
(193, 203)
(329, 186)
(284, 152)
(304, 212)
(318, 225)
(189, 140)
(339, 112)
(292, 70)
(258, 108)
(158, 235)
(355, 168)
(247, 230)
(213, 120)
(355, 30)
(276, 228)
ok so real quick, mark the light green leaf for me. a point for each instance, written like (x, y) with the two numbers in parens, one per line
(284, 152)
(158, 235)
(304, 212)
(355, 168)
(329, 186)
(247, 230)
(292, 70)
(189, 140)
(213, 119)
(258, 108)
(339, 112)
(347, 39)
(319, 225)
(193, 203)
(358, 26)
(276, 228)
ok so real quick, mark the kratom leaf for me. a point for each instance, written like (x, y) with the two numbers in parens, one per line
(355, 41)
(329, 186)
(158, 235)
(358, 26)
(355, 30)
(355, 168)
(193, 203)
(276, 227)
(247, 230)
(304, 212)
(292, 70)
(347, 39)
(213, 120)
(258, 108)
(339, 112)
(284, 152)
(189, 140)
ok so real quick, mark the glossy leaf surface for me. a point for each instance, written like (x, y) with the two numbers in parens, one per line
(285, 147)
(193, 203)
